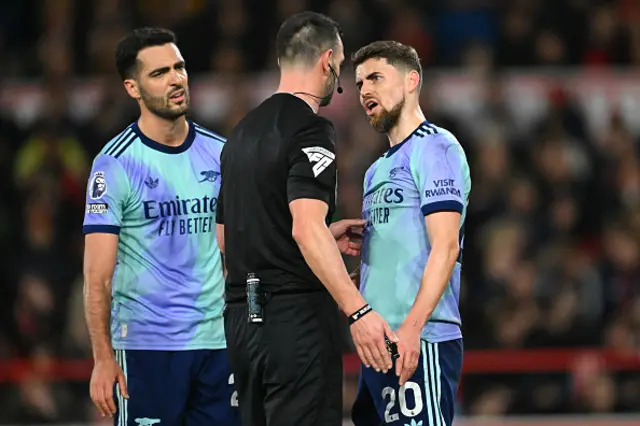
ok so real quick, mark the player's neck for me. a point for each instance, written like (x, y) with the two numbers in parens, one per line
(407, 124)
(166, 132)
(296, 81)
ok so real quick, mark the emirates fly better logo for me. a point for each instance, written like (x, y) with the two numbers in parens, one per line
(320, 157)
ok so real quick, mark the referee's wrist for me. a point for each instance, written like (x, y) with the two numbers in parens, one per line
(358, 314)
(351, 302)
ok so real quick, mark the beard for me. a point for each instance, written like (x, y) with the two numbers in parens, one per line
(162, 105)
(387, 119)
(329, 89)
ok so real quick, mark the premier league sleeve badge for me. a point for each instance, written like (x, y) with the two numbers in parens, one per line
(97, 185)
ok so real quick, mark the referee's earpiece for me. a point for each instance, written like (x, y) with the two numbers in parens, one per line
(335, 75)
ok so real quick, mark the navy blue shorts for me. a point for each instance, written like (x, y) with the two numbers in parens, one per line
(176, 388)
(427, 399)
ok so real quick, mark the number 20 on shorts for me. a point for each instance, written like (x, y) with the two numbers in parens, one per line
(390, 413)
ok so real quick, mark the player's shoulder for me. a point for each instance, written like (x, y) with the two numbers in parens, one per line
(433, 139)
(115, 152)
(112, 159)
(432, 134)
(120, 143)
(208, 135)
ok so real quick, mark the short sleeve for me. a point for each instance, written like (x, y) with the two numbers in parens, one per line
(441, 173)
(107, 194)
(312, 171)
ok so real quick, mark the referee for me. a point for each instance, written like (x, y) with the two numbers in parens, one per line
(285, 272)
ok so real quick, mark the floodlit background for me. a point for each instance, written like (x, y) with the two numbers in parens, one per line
(544, 95)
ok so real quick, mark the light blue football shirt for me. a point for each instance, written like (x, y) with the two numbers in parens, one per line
(167, 288)
(426, 173)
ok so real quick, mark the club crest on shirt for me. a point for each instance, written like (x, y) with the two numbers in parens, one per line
(209, 176)
(97, 185)
(395, 171)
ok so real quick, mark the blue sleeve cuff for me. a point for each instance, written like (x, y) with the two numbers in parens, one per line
(442, 206)
(104, 229)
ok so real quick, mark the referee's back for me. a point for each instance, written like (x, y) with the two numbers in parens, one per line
(279, 152)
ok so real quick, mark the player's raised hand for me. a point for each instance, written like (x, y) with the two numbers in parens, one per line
(348, 233)
(408, 351)
(106, 372)
(368, 336)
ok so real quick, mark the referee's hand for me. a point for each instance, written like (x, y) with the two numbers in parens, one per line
(106, 372)
(368, 336)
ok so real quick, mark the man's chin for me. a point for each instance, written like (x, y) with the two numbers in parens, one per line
(173, 113)
(181, 112)
(376, 124)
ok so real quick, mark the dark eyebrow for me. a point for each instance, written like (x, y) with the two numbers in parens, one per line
(163, 70)
(368, 77)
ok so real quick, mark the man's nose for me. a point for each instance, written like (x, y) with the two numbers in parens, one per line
(176, 78)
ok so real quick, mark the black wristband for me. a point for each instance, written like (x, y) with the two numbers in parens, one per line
(359, 313)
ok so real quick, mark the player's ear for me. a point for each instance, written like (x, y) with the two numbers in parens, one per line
(412, 81)
(132, 88)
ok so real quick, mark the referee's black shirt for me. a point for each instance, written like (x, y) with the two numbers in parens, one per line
(279, 152)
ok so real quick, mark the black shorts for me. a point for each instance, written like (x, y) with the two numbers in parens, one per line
(288, 370)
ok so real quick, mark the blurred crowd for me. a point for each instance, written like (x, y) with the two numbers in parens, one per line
(551, 256)
(62, 37)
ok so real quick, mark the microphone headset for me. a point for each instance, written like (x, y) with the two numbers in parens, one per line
(338, 89)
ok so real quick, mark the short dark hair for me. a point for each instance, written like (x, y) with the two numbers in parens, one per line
(140, 38)
(304, 36)
(397, 54)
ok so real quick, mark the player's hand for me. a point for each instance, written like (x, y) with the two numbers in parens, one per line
(347, 233)
(408, 352)
(105, 373)
(368, 336)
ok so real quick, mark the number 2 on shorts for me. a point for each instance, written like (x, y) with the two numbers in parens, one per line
(234, 395)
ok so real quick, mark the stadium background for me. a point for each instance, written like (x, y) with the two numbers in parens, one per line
(543, 95)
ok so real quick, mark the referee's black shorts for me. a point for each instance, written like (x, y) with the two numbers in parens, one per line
(288, 370)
